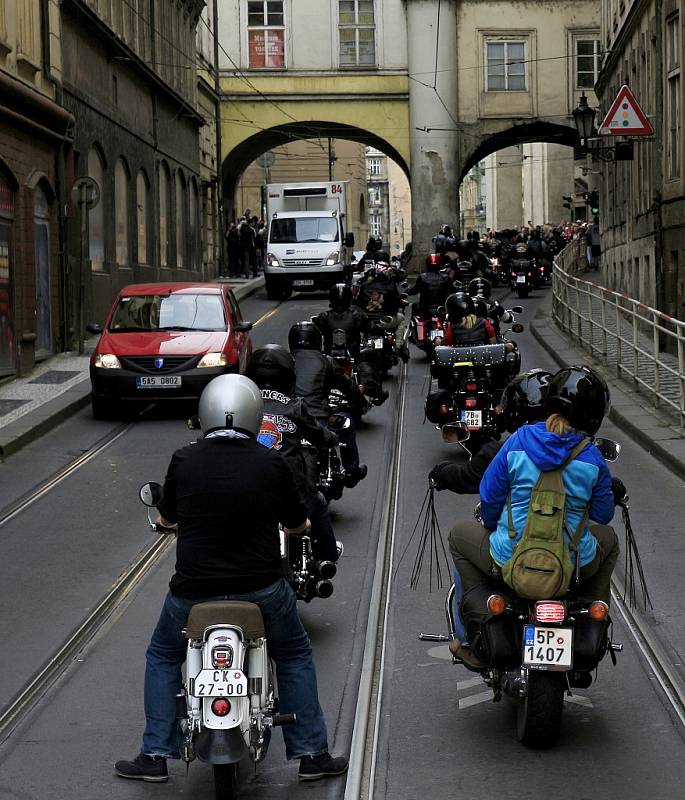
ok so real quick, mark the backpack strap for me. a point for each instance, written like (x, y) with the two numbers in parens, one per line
(512, 529)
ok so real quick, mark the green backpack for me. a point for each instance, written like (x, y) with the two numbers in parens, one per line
(540, 567)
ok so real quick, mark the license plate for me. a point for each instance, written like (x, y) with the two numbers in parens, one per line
(520, 279)
(437, 333)
(303, 283)
(473, 419)
(158, 381)
(219, 683)
(547, 648)
(377, 343)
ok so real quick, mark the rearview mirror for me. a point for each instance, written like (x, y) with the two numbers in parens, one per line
(194, 423)
(150, 494)
(517, 327)
(455, 432)
(242, 327)
(608, 448)
(349, 239)
(517, 309)
(339, 422)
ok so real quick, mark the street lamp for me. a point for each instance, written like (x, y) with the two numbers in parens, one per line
(584, 118)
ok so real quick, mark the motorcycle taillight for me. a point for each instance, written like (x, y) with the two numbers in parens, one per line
(470, 402)
(222, 657)
(549, 611)
(471, 387)
(348, 370)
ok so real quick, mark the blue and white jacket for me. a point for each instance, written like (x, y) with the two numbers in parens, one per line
(516, 469)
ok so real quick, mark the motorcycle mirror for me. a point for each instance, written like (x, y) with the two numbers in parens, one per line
(517, 309)
(339, 422)
(150, 494)
(608, 448)
(455, 432)
(194, 423)
(507, 317)
(441, 309)
(517, 327)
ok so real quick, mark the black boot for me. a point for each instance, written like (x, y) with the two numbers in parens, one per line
(143, 768)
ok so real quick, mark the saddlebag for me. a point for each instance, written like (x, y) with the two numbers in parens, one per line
(493, 637)
(589, 642)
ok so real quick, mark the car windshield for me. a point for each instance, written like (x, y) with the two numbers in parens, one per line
(169, 312)
(299, 230)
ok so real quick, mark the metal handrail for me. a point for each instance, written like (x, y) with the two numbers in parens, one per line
(640, 342)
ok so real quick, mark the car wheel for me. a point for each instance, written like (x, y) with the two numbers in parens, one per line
(102, 409)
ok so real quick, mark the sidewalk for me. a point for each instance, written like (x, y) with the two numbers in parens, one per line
(34, 404)
(657, 431)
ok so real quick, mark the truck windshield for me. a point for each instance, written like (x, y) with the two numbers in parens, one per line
(297, 230)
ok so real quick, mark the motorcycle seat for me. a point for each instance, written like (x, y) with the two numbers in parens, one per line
(246, 616)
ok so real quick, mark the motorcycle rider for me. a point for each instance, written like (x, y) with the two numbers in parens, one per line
(480, 287)
(343, 316)
(433, 288)
(576, 401)
(286, 422)
(316, 375)
(227, 495)
(465, 327)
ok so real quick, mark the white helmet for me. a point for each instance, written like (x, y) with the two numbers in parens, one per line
(231, 401)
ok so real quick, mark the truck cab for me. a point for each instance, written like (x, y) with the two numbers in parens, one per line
(307, 245)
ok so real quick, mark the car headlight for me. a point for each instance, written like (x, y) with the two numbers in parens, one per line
(334, 258)
(271, 260)
(214, 360)
(107, 361)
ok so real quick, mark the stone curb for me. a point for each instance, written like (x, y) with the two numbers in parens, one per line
(31, 426)
(544, 330)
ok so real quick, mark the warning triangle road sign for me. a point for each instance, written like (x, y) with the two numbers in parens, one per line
(625, 117)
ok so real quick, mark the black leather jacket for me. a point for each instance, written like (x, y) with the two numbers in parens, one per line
(316, 375)
(352, 320)
(433, 289)
(286, 422)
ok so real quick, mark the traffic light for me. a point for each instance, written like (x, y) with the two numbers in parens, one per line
(593, 202)
(568, 200)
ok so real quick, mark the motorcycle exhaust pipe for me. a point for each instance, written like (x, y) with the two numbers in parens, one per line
(327, 569)
(324, 588)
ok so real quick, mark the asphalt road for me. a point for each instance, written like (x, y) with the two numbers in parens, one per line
(60, 555)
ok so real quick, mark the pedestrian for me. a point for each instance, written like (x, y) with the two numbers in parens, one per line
(247, 247)
(259, 246)
(593, 242)
(233, 250)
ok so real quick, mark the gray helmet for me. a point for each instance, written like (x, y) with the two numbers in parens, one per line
(231, 401)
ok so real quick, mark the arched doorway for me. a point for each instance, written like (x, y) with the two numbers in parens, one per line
(41, 235)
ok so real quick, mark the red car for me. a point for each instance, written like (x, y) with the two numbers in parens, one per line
(166, 341)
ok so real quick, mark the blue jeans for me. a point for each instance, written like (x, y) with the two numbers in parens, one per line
(289, 647)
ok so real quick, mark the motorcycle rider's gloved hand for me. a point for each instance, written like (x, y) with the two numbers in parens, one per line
(618, 489)
(434, 475)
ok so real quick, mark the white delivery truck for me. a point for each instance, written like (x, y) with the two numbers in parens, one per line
(308, 246)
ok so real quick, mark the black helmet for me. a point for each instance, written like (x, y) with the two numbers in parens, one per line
(340, 297)
(458, 306)
(445, 230)
(523, 399)
(580, 395)
(305, 336)
(480, 305)
(479, 287)
(272, 367)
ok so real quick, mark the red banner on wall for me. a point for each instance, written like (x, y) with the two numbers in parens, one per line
(266, 49)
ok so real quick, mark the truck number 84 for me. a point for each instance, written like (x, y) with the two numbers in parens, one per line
(336, 188)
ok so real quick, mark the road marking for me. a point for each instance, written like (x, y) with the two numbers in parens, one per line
(579, 699)
(469, 684)
(475, 699)
(265, 317)
(442, 652)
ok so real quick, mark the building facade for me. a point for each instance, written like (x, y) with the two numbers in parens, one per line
(35, 132)
(642, 202)
(130, 81)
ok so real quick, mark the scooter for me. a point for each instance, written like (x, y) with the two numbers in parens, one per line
(228, 705)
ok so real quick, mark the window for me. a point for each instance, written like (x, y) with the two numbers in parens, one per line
(587, 63)
(96, 217)
(163, 215)
(506, 66)
(181, 223)
(121, 211)
(357, 32)
(194, 260)
(673, 96)
(41, 235)
(374, 166)
(142, 216)
(266, 34)
(374, 196)
(375, 224)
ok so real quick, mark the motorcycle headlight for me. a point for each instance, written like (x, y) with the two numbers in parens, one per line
(333, 259)
(271, 260)
(213, 360)
(107, 361)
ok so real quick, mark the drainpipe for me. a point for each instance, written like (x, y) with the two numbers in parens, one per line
(660, 288)
(218, 200)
